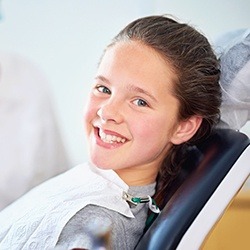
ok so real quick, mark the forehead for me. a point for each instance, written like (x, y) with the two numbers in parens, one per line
(137, 61)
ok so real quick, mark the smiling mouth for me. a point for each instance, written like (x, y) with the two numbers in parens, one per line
(108, 138)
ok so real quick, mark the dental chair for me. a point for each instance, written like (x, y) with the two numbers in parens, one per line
(211, 177)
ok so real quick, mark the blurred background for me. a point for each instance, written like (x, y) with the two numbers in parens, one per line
(65, 38)
(49, 50)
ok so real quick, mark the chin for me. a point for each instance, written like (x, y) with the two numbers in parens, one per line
(100, 164)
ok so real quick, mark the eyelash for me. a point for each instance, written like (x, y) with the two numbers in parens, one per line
(145, 104)
(105, 90)
(101, 89)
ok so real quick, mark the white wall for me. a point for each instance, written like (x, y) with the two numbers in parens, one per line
(65, 38)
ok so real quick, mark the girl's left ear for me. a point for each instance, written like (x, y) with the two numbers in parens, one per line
(186, 129)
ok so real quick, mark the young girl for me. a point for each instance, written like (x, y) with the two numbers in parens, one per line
(155, 92)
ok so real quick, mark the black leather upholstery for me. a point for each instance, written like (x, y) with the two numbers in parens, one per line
(201, 174)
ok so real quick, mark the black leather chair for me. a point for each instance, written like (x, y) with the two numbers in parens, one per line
(210, 178)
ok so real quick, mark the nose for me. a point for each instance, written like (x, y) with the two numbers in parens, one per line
(110, 111)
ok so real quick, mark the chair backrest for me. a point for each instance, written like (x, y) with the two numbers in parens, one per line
(212, 175)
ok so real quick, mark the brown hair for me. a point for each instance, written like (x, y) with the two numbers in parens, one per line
(197, 88)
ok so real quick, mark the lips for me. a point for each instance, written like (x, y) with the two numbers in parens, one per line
(110, 138)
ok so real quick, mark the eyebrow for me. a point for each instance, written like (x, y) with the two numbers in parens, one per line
(102, 78)
(134, 88)
(130, 87)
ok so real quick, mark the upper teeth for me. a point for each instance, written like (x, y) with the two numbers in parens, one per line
(110, 138)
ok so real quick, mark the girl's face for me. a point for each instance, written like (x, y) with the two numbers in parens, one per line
(131, 114)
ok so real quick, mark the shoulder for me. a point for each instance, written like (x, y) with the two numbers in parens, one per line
(96, 216)
(124, 231)
(88, 224)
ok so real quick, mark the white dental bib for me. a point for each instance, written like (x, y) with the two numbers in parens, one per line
(36, 220)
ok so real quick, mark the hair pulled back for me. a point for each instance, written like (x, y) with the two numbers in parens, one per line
(197, 88)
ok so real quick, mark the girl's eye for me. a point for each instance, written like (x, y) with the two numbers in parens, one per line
(103, 89)
(140, 103)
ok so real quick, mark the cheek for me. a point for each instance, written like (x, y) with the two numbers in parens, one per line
(150, 129)
(154, 130)
(90, 111)
(151, 139)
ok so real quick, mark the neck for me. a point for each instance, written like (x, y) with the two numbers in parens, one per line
(138, 177)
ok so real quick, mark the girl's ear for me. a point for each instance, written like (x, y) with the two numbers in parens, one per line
(186, 129)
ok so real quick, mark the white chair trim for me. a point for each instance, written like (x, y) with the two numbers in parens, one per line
(217, 204)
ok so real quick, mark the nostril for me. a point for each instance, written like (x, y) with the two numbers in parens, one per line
(110, 112)
(99, 112)
(101, 115)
